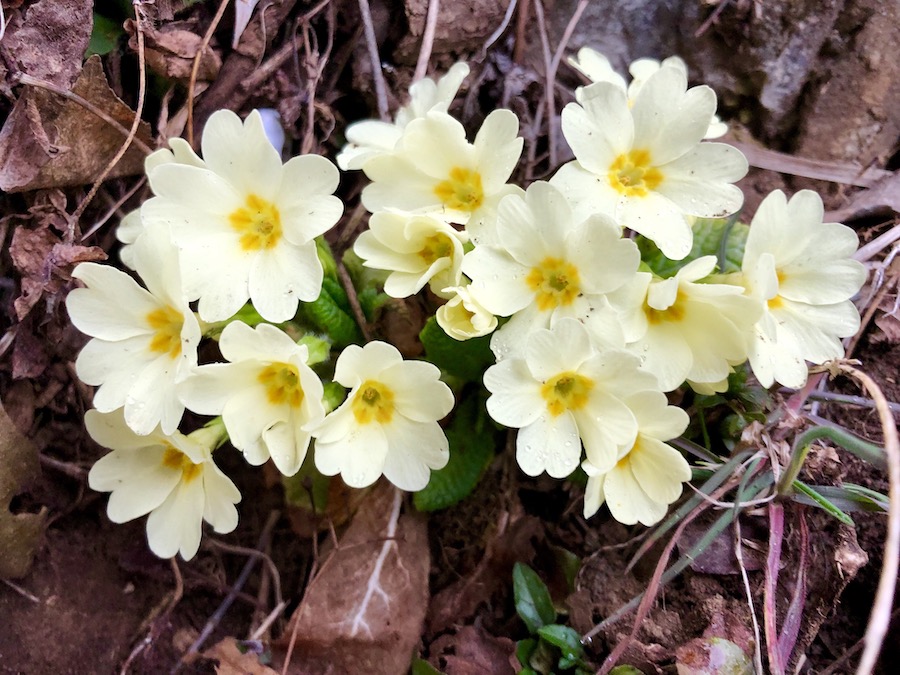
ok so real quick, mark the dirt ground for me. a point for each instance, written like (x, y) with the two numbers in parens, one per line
(812, 93)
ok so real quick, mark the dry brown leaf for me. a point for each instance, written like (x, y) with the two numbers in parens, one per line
(21, 533)
(364, 611)
(49, 39)
(50, 141)
(45, 263)
(232, 661)
(171, 50)
(473, 651)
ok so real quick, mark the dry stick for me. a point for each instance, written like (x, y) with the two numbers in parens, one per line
(773, 559)
(21, 591)
(709, 22)
(434, 8)
(195, 68)
(842, 659)
(739, 556)
(548, 98)
(142, 90)
(878, 244)
(493, 37)
(371, 43)
(358, 314)
(241, 580)
(881, 610)
(551, 75)
(867, 317)
(521, 30)
(28, 80)
(115, 207)
(792, 619)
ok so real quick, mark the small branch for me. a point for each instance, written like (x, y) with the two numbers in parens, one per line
(115, 207)
(493, 37)
(358, 313)
(878, 244)
(550, 77)
(770, 587)
(377, 74)
(434, 8)
(195, 68)
(739, 556)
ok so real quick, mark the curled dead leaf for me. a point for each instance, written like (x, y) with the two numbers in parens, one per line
(51, 141)
(365, 609)
(20, 533)
(171, 50)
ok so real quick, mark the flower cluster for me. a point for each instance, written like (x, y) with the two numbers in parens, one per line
(596, 296)
(587, 336)
(232, 227)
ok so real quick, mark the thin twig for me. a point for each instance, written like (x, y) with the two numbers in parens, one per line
(711, 19)
(549, 75)
(214, 620)
(358, 313)
(142, 90)
(880, 618)
(773, 560)
(793, 618)
(115, 207)
(254, 553)
(26, 79)
(377, 75)
(67, 468)
(434, 8)
(878, 244)
(269, 620)
(195, 68)
(21, 591)
(833, 397)
(493, 37)
(739, 556)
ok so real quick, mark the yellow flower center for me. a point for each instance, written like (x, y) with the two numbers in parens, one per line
(632, 174)
(462, 191)
(555, 283)
(774, 302)
(258, 223)
(675, 312)
(374, 402)
(435, 247)
(282, 383)
(566, 391)
(166, 323)
(175, 459)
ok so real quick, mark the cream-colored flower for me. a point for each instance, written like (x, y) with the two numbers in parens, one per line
(463, 317)
(388, 424)
(434, 170)
(563, 392)
(145, 341)
(170, 476)
(644, 165)
(370, 138)
(417, 250)
(596, 67)
(268, 397)
(131, 226)
(649, 474)
(245, 223)
(690, 330)
(801, 271)
(544, 265)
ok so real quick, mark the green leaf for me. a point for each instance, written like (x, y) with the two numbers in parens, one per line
(326, 314)
(626, 670)
(569, 563)
(823, 503)
(524, 649)
(104, 36)
(724, 238)
(567, 639)
(472, 444)
(422, 667)
(466, 360)
(533, 603)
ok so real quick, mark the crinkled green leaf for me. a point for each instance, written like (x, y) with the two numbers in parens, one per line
(626, 670)
(724, 238)
(472, 444)
(326, 314)
(104, 35)
(524, 649)
(533, 603)
(467, 360)
(422, 667)
(567, 639)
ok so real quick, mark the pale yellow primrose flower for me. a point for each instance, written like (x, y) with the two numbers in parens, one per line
(434, 170)
(644, 165)
(268, 396)
(417, 250)
(170, 476)
(563, 392)
(545, 265)
(245, 223)
(145, 341)
(131, 226)
(689, 330)
(388, 424)
(649, 474)
(596, 67)
(463, 317)
(370, 138)
(800, 269)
